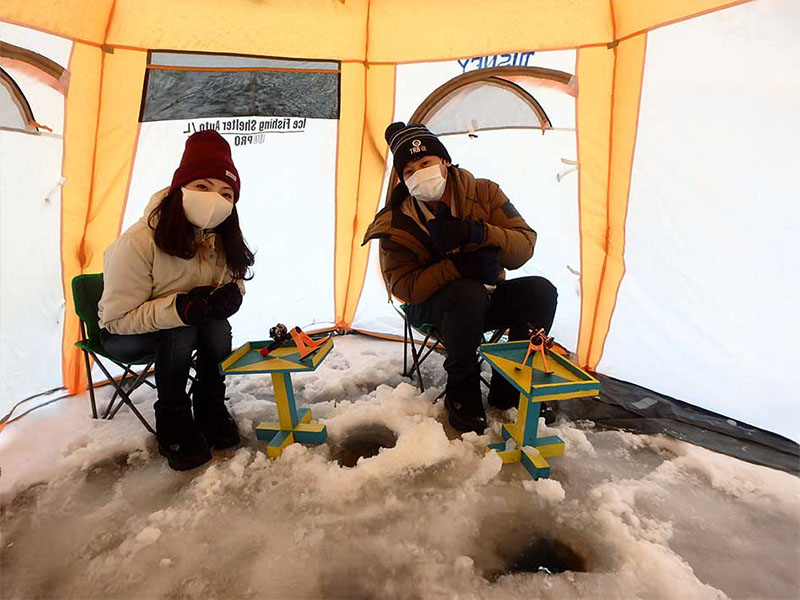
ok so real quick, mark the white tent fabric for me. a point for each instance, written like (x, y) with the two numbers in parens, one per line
(286, 213)
(32, 306)
(708, 308)
(524, 163)
(711, 264)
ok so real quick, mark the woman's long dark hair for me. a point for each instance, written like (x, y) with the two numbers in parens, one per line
(175, 235)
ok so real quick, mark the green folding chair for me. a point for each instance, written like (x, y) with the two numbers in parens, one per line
(86, 292)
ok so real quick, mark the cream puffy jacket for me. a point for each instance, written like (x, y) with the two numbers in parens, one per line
(141, 282)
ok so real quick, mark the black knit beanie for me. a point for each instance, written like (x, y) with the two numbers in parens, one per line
(411, 142)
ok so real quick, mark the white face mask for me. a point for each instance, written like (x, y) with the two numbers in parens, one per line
(205, 210)
(427, 184)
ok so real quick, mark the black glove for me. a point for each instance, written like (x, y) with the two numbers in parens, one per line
(448, 233)
(225, 300)
(482, 264)
(193, 307)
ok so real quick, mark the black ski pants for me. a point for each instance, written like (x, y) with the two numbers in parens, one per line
(462, 310)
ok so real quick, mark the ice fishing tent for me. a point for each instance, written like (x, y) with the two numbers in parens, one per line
(672, 245)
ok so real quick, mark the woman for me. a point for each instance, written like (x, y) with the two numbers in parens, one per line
(171, 282)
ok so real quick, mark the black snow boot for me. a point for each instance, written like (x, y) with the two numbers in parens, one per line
(179, 440)
(465, 405)
(213, 419)
(502, 394)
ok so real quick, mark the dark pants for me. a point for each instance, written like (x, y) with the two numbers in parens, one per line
(173, 349)
(462, 310)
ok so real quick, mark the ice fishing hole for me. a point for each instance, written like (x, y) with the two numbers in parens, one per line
(363, 441)
(542, 555)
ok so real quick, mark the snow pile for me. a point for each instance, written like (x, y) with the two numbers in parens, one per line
(91, 510)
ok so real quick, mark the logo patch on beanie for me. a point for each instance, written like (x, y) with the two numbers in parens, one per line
(231, 175)
(417, 147)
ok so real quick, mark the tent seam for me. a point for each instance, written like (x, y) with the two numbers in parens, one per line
(360, 165)
(608, 187)
(627, 199)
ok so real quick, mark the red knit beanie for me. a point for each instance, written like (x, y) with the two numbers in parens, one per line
(207, 156)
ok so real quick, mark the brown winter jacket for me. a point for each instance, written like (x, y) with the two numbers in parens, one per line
(412, 268)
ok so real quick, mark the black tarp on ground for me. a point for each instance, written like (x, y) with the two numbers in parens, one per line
(623, 405)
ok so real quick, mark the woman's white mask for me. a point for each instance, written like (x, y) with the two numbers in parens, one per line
(205, 210)
(427, 184)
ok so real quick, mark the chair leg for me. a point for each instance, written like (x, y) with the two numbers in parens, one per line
(140, 379)
(125, 398)
(116, 394)
(405, 348)
(91, 384)
(415, 357)
(436, 344)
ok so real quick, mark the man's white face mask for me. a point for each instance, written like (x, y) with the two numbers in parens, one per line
(427, 184)
(205, 210)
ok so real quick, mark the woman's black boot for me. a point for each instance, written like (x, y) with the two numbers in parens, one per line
(213, 419)
(179, 439)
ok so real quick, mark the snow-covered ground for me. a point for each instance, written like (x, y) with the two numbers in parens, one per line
(90, 510)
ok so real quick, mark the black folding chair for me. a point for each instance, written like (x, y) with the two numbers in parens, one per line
(432, 341)
(86, 291)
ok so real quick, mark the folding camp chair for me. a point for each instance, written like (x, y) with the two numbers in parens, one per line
(431, 342)
(86, 291)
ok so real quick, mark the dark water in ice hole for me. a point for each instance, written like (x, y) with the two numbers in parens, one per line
(363, 441)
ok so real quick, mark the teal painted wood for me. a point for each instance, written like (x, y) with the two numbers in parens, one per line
(265, 434)
(548, 440)
(567, 388)
(531, 424)
(254, 356)
(532, 469)
(311, 437)
(287, 382)
(279, 438)
(498, 446)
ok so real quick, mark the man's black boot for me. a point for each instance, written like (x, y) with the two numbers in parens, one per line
(213, 419)
(465, 405)
(179, 440)
(502, 394)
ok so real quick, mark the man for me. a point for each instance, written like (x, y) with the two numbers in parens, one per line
(445, 240)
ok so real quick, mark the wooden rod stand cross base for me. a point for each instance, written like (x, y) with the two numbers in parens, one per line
(293, 426)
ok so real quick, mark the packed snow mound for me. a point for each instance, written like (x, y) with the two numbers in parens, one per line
(91, 510)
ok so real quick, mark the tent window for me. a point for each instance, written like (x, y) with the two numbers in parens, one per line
(191, 86)
(15, 111)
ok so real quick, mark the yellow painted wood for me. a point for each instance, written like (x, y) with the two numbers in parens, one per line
(535, 457)
(508, 456)
(282, 400)
(306, 418)
(235, 356)
(551, 450)
(514, 430)
(276, 451)
(521, 377)
(284, 351)
(269, 364)
(569, 396)
(309, 427)
(322, 352)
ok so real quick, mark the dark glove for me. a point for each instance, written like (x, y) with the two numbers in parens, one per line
(225, 300)
(448, 233)
(482, 264)
(193, 307)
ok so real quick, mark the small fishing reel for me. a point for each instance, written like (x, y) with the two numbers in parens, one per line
(279, 333)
